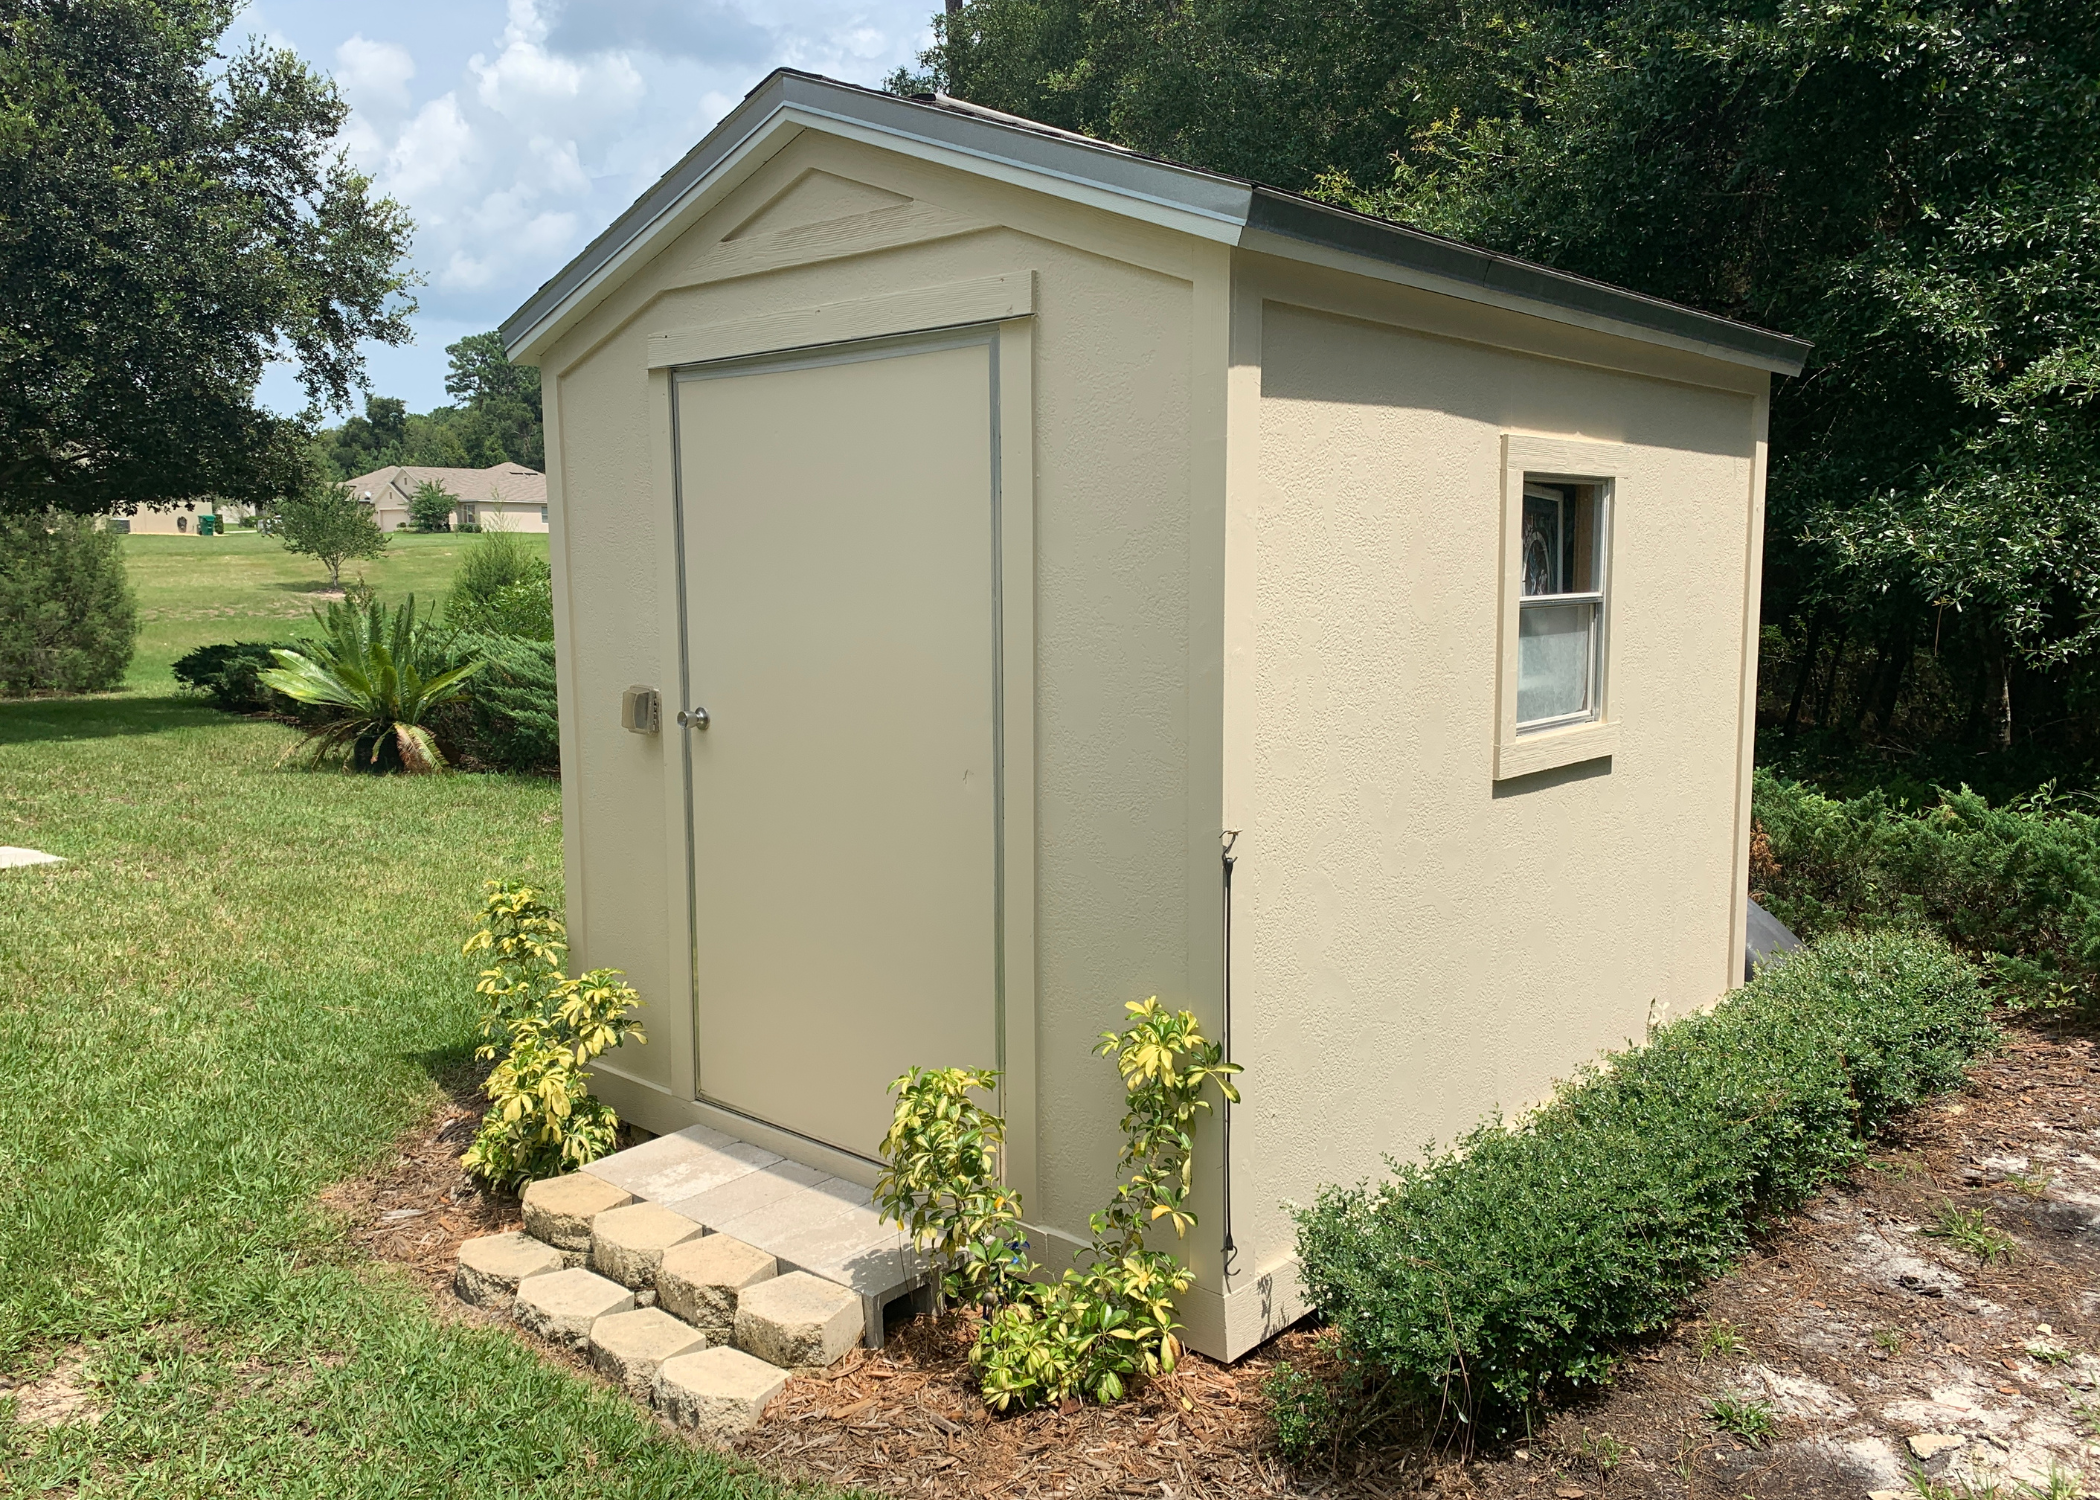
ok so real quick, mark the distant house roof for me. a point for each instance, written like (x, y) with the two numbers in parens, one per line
(511, 484)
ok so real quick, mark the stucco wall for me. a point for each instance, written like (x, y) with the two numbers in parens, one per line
(1112, 391)
(1415, 944)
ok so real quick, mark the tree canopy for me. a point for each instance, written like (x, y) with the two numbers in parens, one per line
(1911, 186)
(172, 218)
(497, 420)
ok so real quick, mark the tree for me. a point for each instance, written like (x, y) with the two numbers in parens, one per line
(430, 508)
(68, 620)
(325, 521)
(501, 400)
(170, 221)
(1912, 187)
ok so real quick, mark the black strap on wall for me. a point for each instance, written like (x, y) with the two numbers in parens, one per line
(1230, 837)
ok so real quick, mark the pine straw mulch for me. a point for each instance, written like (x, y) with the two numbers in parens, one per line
(1853, 1324)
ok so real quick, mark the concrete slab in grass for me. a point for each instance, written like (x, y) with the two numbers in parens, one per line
(563, 1306)
(719, 1393)
(702, 1280)
(13, 857)
(492, 1265)
(628, 1243)
(798, 1320)
(627, 1347)
(681, 1164)
(559, 1210)
(747, 1194)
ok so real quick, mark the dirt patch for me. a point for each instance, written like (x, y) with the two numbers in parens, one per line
(1866, 1321)
(61, 1395)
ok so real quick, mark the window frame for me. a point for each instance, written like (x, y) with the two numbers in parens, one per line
(1591, 734)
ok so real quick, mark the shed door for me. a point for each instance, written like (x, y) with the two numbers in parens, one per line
(837, 526)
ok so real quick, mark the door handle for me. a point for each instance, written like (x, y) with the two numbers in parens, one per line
(692, 718)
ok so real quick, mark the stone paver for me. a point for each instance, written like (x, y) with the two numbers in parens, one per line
(564, 1305)
(491, 1266)
(798, 1320)
(559, 1210)
(681, 1164)
(753, 1190)
(719, 1393)
(627, 1347)
(701, 1280)
(628, 1243)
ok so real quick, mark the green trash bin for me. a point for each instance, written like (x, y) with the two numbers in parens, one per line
(207, 525)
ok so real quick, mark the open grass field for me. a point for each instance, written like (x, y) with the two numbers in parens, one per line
(237, 991)
(196, 590)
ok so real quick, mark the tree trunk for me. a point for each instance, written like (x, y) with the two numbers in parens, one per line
(1808, 670)
(1830, 683)
(1906, 647)
(2001, 713)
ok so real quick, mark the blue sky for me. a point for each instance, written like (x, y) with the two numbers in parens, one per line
(513, 132)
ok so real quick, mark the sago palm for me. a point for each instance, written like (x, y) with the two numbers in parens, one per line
(368, 668)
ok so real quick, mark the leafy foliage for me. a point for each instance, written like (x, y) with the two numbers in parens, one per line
(1110, 1320)
(1911, 187)
(376, 676)
(541, 1028)
(503, 587)
(2017, 885)
(498, 420)
(68, 620)
(324, 521)
(1516, 1263)
(509, 718)
(942, 1161)
(175, 219)
(430, 508)
(231, 675)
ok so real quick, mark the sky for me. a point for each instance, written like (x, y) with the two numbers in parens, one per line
(514, 132)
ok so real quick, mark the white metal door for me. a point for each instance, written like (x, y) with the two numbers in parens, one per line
(837, 517)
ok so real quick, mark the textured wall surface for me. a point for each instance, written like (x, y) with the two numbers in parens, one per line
(1417, 945)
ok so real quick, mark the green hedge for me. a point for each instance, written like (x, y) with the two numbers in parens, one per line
(68, 619)
(509, 720)
(2019, 884)
(228, 675)
(1516, 1264)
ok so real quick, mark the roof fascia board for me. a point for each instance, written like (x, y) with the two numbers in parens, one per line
(1203, 221)
(1304, 231)
(681, 195)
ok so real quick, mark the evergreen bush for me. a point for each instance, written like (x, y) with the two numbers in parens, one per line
(509, 720)
(227, 674)
(2017, 885)
(1516, 1264)
(68, 620)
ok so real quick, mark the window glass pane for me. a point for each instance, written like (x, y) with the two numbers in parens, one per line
(1553, 660)
(1546, 542)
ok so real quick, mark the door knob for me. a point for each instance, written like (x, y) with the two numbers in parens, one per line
(692, 718)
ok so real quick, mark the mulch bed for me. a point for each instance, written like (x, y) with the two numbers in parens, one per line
(1856, 1328)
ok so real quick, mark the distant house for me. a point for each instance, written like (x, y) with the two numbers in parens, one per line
(181, 517)
(509, 497)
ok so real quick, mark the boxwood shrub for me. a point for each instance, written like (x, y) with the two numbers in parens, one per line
(1515, 1265)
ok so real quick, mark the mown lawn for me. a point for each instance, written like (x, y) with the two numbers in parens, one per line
(235, 992)
(195, 590)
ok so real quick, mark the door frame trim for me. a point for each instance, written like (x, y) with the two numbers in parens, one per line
(1010, 352)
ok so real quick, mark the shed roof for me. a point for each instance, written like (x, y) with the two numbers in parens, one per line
(1230, 210)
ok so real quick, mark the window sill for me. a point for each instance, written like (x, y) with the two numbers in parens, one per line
(1552, 748)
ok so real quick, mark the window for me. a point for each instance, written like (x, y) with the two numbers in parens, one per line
(543, 515)
(1560, 613)
(1554, 697)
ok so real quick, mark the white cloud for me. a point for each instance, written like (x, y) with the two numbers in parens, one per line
(523, 140)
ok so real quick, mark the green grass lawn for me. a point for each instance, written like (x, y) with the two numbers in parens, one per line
(238, 990)
(197, 590)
